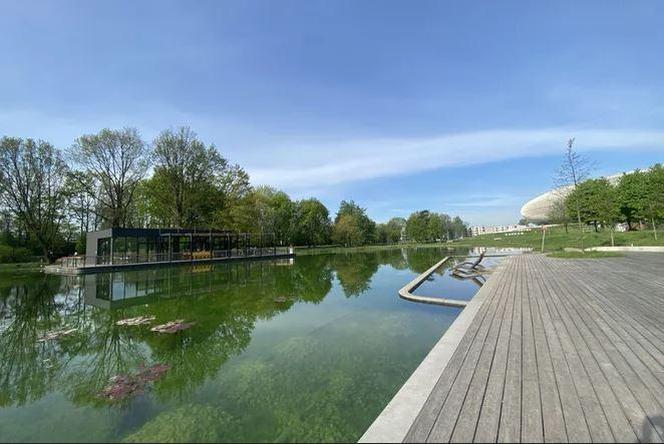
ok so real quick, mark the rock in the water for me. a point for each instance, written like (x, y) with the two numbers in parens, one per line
(140, 320)
(56, 334)
(172, 327)
(126, 386)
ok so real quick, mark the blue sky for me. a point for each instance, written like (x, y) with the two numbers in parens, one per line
(452, 106)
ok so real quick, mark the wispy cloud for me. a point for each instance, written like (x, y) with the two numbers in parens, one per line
(324, 164)
(483, 201)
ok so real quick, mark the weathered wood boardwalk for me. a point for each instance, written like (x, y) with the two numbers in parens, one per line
(560, 350)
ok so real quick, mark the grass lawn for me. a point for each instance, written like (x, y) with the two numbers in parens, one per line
(582, 255)
(557, 239)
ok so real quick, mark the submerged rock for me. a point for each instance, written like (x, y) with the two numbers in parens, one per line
(140, 320)
(122, 387)
(172, 327)
(56, 334)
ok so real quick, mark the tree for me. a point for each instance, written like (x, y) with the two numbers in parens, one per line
(459, 227)
(573, 170)
(80, 203)
(558, 214)
(390, 232)
(367, 227)
(641, 196)
(188, 176)
(597, 200)
(631, 189)
(273, 212)
(117, 160)
(32, 183)
(235, 201)
(348, 231)
(418, 226)
(394, 228)
(311, 224)
(652, 203)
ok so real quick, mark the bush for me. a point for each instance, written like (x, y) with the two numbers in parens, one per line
(14, 254)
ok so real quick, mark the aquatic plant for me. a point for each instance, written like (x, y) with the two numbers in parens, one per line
(189, 423)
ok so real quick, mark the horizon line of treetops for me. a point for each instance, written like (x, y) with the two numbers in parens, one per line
(50, 197)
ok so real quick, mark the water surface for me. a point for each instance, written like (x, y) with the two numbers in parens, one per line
(305, 350)
(442, 284)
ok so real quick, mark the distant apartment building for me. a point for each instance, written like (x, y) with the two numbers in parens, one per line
(495, 229)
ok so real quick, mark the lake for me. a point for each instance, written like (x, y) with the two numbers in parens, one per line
(306, 349)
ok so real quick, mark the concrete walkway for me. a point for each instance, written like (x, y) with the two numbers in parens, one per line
(556, 350)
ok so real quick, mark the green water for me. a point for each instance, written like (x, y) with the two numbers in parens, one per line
(318, 367)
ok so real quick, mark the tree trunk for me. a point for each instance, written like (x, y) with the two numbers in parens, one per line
(612, 243)
(578, 218)
(654, 228)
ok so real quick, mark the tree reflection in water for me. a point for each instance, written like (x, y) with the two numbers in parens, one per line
(226, 300)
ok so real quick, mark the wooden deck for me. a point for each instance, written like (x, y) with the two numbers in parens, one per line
(560, 350)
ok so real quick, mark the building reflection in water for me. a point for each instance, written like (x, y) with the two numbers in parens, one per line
(125, 288)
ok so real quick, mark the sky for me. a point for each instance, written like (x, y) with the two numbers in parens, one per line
(451, 106)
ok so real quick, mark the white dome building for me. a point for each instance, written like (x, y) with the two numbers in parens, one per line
(538, 209)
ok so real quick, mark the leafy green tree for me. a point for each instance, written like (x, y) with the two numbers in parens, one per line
(381, 233)
(367, 227)
(347, 230)
(274, 212)
(418, 226)
(653, 203)
(558, 214)
(458, 228)
(32, 185)
(631, 189)
(117, 160)
(394, 228)
(187, 176)
(596, 202)
(641, 196)
(311, 224)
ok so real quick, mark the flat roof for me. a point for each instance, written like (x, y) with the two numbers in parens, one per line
(136, 232)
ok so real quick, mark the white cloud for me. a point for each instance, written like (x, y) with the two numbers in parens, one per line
(322, 164)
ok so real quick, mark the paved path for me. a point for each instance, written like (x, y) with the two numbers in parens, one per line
(560, 350)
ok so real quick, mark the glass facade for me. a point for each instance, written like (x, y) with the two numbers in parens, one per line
(121, 246)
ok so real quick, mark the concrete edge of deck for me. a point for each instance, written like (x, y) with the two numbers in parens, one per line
(395, 420)
(629, 249)
(405, 292)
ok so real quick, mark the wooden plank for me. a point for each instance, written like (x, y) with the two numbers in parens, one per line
(489, 420)
(636, 399)
(554, 427)
(602, 374)
(466, 425)
(510, 415)
(449, 413)
(532, 428)
(560, 351)
(596, 419)
(421, 427)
